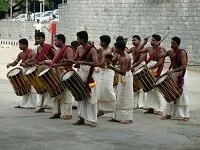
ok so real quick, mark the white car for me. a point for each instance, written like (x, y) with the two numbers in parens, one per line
(21, 17)
(45, 16)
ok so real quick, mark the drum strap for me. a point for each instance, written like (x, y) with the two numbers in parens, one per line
(60, 54)
(44, 52)
(160, 68)
(25, 55)
(90, 81)
(177, 59)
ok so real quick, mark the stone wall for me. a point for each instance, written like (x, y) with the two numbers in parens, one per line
(128, 17)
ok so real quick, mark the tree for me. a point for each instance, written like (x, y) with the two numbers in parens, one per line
(3, 8)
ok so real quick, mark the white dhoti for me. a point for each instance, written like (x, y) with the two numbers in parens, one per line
(87, 108)
(179, 108)
(139, 96)
(65, 99)
(105, 92)
(28, 100)
(44, 100)
(124, 102)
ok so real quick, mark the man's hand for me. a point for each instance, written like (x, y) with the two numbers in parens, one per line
(8, 65)
(110, 66)
(169, 72)
(146, 40)
(54, 65)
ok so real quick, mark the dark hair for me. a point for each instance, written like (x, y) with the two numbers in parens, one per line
(74, 44)
(61, 37)
(120, 38)
(120, 45)
(24, 41)
(83, 35)
(137, 37)
(177, 40)
(106, 39)
(40, 34)
(157, 37)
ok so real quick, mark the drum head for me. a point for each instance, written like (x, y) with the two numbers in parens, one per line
(67, 75)
(139, 70)
(14, 72)
(161, 79)
(43, 72)
(30, 70)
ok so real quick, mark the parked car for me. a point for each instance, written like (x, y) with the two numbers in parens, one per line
(21, 17)
(45, 16)
(56, 13)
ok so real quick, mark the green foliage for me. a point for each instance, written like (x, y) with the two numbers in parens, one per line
(3, 6)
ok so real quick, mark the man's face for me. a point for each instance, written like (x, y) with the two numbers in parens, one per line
(174, 45)
(22, 46)
(57, 42)
(135, 41)
(153, 41)
(80, 41)
(40, 40)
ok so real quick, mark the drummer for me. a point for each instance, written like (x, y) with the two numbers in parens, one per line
(63, 102)
(177, 69)
(44, 52)
(154, 100)
(23, 59)
(138, 61)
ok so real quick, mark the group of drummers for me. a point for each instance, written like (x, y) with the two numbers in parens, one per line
(101, 80)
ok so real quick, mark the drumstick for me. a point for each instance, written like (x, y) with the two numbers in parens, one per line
(151, 35)
(165, 37)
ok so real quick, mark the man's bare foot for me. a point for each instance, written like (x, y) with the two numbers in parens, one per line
(79, 122)
(126, 122)
(40, 110)
(185, 118)
(100, 113)
(93, 124)
(55, 116)
(166, 117)
(149, 111)
(67, 117)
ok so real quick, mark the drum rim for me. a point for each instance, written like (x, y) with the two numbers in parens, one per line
(29, 69)
(12, 70)
(44, 71)
(141, 68)
(66, 73)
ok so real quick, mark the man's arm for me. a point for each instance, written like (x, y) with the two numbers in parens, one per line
(14, 63)
(129, 50)
(122, 71)
(141, 59)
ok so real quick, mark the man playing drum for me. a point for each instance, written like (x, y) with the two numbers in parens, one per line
(124, 103)
(154, 100)
(44, 52)
(105, 92)
(138, 61)
(63, 102)
(87, 58)
(26, 56)
(180, 107)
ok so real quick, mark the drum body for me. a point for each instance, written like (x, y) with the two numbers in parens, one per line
(168, 88)
(18, 81)
(75, 85)
(145, 78)
(52, 82)
(136, 83)
(32, 75)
